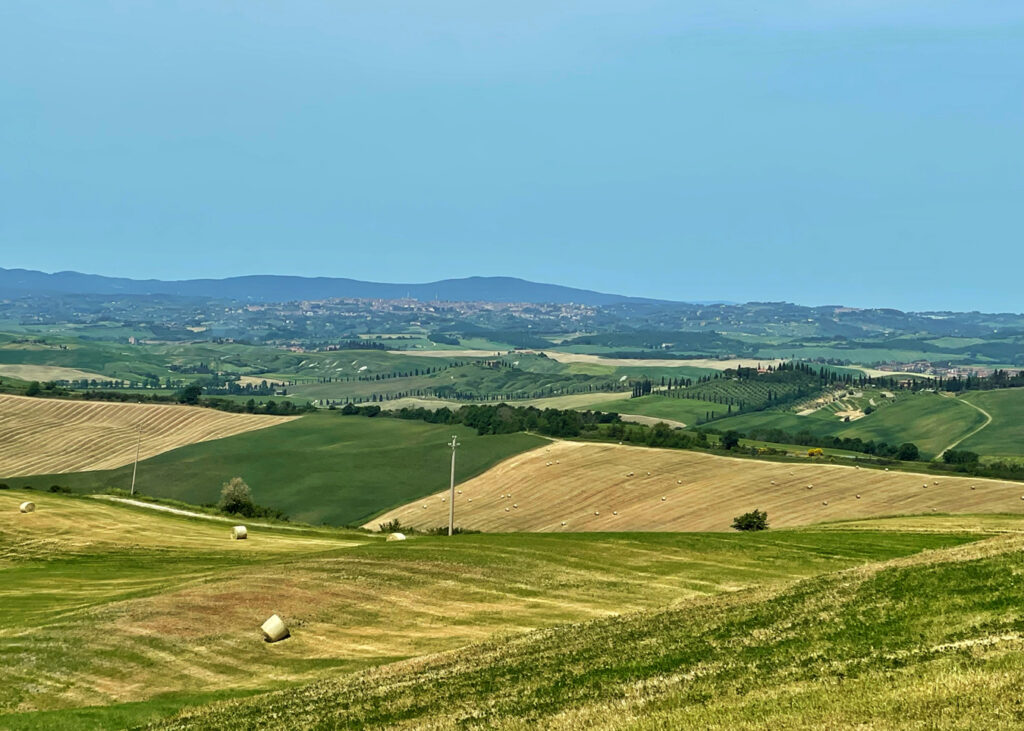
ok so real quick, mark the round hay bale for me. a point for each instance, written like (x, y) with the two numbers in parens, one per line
(469, 500)
(424, 507)
(274, 630)
(974, 487)
(824, 502)
(506, 510)
(239, 533)
(396, 537)
(773, 482)
(615, 512)
(858, 496)
(515, 505)
(663, 499)
(679, 482)
(459, 492)
(564, 523)
(27, 507)
(442, 500)
(558, 461)
(886, 469)
(597, 512)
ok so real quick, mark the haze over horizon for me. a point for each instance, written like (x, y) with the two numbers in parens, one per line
(866, 155)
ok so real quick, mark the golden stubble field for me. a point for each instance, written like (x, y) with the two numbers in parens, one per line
(49, 436)
(605, 487)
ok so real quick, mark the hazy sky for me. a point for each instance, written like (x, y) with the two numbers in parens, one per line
(863, 152)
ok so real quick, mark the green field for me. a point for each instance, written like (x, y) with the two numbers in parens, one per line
(1004, 437)
(930, 642)
(321, 468)
(929, 420)
(162, 613)
(688, 411)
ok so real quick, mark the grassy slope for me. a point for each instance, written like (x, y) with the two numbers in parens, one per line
(930, 641)
(930, 421)
(163, 611)
(687, 411)
(322, 468)
(1004, 437)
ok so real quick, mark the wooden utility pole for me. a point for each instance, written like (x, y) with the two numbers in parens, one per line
(454, 444)
(138, 446)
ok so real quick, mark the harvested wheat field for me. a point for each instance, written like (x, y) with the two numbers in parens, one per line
(48, 436)
(572, 486)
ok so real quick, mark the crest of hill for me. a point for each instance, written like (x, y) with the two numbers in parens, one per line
(607, 487)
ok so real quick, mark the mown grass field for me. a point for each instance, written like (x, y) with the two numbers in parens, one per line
(609, 487)
(51, 435)
(928, 641)
(116, 616)
(320, 468)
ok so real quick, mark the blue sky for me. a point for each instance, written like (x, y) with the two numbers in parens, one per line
(870, 154)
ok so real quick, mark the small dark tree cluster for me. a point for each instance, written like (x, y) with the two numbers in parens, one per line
(754, 520)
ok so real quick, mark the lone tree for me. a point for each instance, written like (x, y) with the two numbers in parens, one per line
(755, 520)
(236, 497)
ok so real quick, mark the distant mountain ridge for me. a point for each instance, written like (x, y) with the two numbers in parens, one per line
(280, 288)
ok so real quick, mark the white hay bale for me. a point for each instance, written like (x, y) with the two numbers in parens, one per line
(239, 533)
(396, 536)
(27, 507)
(564, 523)
(424, 507)
(648, 474)
(274, 630)
(886, 469)
(925, 485)
(459, 491)
(773, 482)
(469, 500)
(824, 502)
(442, 500)
(515, 505)
(663, 499)
(858, 496)
(679, 482)
(558, 461)
(506, 510)
(936, 482)
(615, 512)
(597, 512)
(974, 487)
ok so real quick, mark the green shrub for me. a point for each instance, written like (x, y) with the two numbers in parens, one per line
(755, 520)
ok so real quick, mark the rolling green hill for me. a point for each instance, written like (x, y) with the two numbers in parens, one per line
(162, 613)
(1004, 437)
(321, 468)
(933, 641)
(929, 420)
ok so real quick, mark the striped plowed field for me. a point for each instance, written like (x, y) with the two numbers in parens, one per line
(603, 487)
(49, 436)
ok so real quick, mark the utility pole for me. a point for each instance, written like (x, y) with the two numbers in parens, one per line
(138, 446)
(454, 444)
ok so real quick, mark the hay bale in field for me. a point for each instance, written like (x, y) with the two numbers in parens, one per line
(824, 502)
(27, 507)
(239, 533)
(469, 500)
(274, 630)
(974, 487)
(773, 482)
(596, 512)
(858, 496)
(615, 512)
(515, 505)
(663, 499)
(564, 523)
(629, 474)
(459, 492)
(396, 536)
(506, 510)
